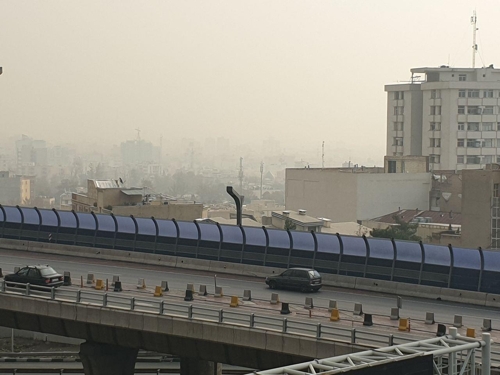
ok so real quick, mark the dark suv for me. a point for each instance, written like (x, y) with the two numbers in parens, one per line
(303, 279)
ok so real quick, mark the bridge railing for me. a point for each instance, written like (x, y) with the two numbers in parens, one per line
(299, 327)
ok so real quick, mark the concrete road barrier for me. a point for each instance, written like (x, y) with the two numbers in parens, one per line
(308, 304)
(118, 286)
(234, 301)
(189, 295)
(99, 285)
(471, 332)
(66, 278)
(90, 278)
(203, 290)
(486, 325)
(275, 298)
(190, 287)
(403, 324)
(429, 318)
(358, 309)
(141, 284)
(115, 279)
(457, 321)
(164, 286)
(285, 309)
(158, 291)
(441, 330)
(332, 304)
(394, 313)
(1, 273)
(218, 291)
(247, 295)
(368, 320)
(335, 315)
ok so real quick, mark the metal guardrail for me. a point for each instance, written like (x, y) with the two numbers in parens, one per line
(202, 313)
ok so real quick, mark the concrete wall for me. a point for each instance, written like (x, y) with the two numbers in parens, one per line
(322, 192)
(178, 211)
(378, 194)
(476, 207)
(402, 289)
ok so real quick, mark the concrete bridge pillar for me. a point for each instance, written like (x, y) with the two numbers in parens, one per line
(191, 366)
(102, 359)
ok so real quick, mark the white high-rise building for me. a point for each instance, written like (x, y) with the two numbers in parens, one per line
(451, 115)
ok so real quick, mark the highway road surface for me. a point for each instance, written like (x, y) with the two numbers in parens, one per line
(374, 303)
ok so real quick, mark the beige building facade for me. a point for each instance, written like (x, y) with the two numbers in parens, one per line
(14, 189)
(449, 114)
(347, 194)
(177, 211)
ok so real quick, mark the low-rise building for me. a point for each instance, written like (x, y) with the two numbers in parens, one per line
(352, 194)
(14, 189)
(298, 220)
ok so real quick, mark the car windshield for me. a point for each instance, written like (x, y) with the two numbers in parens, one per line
(47, 271)
(314, 274)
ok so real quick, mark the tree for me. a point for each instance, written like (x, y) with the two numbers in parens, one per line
(290, 225)
(399, 231)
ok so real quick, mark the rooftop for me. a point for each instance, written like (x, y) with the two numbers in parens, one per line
(435, 217)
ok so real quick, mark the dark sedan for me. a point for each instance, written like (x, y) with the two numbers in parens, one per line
(36, 275)
(303, 279)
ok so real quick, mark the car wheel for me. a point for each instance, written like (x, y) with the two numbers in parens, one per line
(272, 284)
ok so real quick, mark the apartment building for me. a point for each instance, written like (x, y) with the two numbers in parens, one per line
(450, 115)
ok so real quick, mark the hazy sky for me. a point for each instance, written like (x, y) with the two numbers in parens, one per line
(299, 71)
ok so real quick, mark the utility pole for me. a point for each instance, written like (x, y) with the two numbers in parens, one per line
(240, 174)
(473, 21)
(261, 173)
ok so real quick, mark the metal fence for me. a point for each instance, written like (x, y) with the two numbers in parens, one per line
(200, 312)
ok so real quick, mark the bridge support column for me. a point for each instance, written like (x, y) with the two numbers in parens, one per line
(102, 359)
(190, 366)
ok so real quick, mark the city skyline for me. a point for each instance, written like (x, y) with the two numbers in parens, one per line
(298, 72)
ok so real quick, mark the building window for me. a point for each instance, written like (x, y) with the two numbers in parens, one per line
(398, 95)
(435, 109)
(435, 126)
(498, 159)
(435, 94)
(473, 160)
(488, 110)
(474, 143)
(488, 94)
(461, 126)
(435, 142)
(488, 142)
(398, 141)
(473, 110)
(487, 159)
(398, 110)
(461, 93)
(462, 77)
(460, 142)
(460, 159)
(461, 110)
(498, 126)
(487, 126)
(391, 166)
(473, 93)
(495, 190)
(398, 126)
(435, 159)
(473, 126)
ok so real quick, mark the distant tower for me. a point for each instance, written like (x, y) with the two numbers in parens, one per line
(473, 21)
(261, 173)
(138, 134)
(240, 174)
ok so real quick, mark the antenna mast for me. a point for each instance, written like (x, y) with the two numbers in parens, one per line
(323, 155)
(473, 21)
